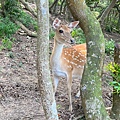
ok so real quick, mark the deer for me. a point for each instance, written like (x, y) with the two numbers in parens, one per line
(67, 62)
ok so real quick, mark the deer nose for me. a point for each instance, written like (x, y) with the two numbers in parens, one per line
(72, 41)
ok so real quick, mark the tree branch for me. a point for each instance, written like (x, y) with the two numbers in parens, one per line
(29, 8)
(107, 10)
(30, 33)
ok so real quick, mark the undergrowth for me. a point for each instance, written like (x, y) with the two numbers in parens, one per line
(109, 47)
(13, 12)
(7, 29)
(114, 69)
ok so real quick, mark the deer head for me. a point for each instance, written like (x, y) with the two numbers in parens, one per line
(63, 32)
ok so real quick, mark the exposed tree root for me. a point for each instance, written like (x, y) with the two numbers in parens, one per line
(30, 33)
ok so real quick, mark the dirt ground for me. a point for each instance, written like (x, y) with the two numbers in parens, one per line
(19, 94)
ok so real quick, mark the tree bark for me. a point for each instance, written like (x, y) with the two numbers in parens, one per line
(115, 111)
(107, 10)
(91, 92)
(44, 79)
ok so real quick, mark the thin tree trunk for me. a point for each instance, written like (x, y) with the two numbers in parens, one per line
(115, 111)
(44, 79)
(107, 10)
(91, 92)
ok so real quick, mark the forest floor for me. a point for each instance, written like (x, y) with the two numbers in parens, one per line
(19, 94)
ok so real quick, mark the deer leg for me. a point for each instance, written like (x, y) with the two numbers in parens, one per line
(69, 84)
(78, 94)
(56, 81)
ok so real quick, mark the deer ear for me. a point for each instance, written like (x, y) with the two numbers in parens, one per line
(73, 24)
(56, 23)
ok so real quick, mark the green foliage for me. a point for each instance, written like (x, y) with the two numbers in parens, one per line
(12, 9)
(28, 21)
(95, 13)
(51, 2)
(7, 27)
(6, 43)
(115, 73)
(12, 12)
(51, 34)
(112, 21)
(116, 86)
(109, 47)
(78, 35)
(89, 2)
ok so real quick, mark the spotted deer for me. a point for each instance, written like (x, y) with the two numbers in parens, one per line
(67, 62)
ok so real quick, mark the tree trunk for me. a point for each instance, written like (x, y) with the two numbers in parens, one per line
(44, 79)
(115, 112)
(91, 92)
(107, 10)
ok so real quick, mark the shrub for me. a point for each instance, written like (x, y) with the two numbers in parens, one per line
(78, 35)
(28, 21)
(51, 34)
(109, 47)
(6, 43)
(12, 12)
(12, 9)
(7, 27)
(115, 73)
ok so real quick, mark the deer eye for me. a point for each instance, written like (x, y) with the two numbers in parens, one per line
(60, 31)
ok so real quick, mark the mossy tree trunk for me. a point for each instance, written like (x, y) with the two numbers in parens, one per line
(91, 92)
(44, 79)
(115, 111)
